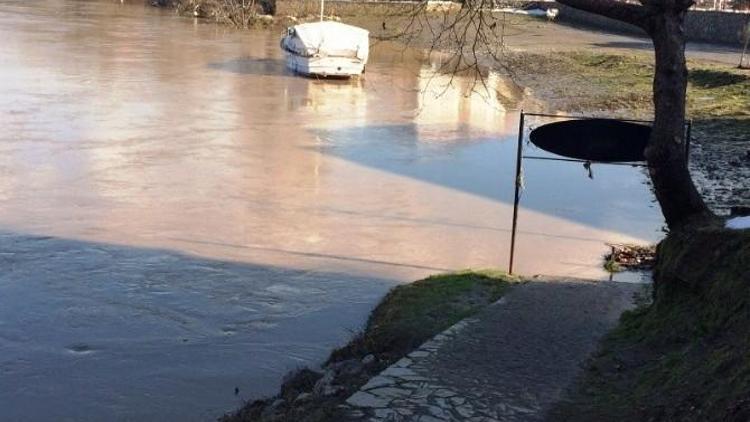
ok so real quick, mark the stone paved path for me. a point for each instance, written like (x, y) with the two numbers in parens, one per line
(509, 363)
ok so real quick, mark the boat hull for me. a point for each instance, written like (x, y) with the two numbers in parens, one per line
(326, 66)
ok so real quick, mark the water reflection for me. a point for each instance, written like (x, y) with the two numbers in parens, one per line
(465, 103)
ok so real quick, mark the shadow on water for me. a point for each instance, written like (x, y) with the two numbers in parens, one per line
(616, 198)
(147, 333)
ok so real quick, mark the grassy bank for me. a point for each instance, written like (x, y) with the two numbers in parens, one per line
(408, 316)
(685, 357)
(718, 96)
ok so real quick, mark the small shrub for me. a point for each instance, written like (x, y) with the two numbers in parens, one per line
(239, 13)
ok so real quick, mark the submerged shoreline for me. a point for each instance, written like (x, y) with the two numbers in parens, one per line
(408, 316)
(602, 84)
(174, 222)
(602, 95)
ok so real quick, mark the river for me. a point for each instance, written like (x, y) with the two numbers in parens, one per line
(180, 216)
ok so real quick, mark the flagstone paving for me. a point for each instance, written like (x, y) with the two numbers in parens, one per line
(509, 363)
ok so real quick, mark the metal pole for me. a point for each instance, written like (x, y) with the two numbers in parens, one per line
(688, 138)
(322, 2)
(517, 196)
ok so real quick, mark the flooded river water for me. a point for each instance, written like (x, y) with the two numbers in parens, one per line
(180, 216)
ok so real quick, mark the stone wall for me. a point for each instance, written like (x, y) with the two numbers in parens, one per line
(700, 25)
(340, 7)
(714, 26)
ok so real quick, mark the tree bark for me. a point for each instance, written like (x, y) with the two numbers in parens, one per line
(679, 199)
(665, 154)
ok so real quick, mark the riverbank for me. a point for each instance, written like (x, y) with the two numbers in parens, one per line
(599, 82)
(241, 14)
(407, 317)
(680, 356)
(684, 357)
(619, 84)
(510, 362)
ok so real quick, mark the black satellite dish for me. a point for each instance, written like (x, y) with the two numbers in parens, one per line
(603, 140)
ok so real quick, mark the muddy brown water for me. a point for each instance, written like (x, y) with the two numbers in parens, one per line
(180, 216)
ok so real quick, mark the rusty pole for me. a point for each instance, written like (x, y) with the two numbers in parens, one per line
(517, 195)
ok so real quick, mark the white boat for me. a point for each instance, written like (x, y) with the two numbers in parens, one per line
(326, 49)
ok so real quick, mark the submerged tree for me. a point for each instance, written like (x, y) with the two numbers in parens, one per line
(473, 32)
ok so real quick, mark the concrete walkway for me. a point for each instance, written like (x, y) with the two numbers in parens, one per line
(509, 363)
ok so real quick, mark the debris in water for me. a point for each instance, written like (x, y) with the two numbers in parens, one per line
(630, 257)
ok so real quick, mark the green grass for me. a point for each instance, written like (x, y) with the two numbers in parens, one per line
(596, 81)
(685, 357)
(718, 91)
(413, 313)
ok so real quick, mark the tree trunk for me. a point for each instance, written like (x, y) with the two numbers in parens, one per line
(679, 199)
(663, 20)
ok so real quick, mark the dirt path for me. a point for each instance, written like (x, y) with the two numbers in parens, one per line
(510, 363)
(548, 36)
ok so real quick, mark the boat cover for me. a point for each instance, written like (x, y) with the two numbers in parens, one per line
(333, 39)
